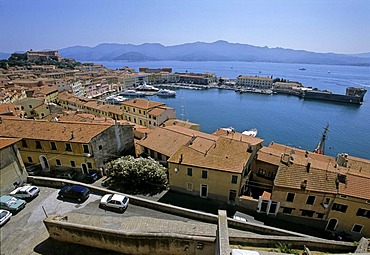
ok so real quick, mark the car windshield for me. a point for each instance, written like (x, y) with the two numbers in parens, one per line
(33, 189)
(11, 201)
(110, 198)
(125, 200)
(3, 214)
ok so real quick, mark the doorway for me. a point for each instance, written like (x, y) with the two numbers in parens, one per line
(332, 224)
(232, 196)
(84, 168)
(204, 190)
(44, 163)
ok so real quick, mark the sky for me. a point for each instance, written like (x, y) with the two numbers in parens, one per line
(339, 26)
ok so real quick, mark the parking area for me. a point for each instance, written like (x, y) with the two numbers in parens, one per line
(25, 233)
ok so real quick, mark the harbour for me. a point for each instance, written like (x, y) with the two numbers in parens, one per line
(281, 118)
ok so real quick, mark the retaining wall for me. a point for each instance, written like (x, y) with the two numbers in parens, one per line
(128, 243)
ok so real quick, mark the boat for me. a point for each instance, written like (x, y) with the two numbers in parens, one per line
(145, 87)
(252, 132)
(302, 69)
(116, 99)
(229, 129)
(166, 93)
(132, 93)
(352, 96)
(255, 90)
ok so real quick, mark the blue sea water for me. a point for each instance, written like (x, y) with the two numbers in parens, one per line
(280, 118)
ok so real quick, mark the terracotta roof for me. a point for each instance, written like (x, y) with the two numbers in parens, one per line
(269, 155)
(319, 180)
(167, 140)
(54, 131)
(238, 136)
(142, 103)
(181, 123)
(225, 154)
(5, 142)
(157, 111)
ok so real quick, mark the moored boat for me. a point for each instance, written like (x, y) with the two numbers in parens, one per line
(251, 132)
(166, 93)
(132, 93)
(146, 87)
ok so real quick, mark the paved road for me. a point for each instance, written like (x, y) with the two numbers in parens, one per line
(25, 233)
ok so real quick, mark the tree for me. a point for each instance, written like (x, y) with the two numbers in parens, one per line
(136, 176)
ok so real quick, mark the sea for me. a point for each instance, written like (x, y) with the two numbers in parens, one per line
(283, 119)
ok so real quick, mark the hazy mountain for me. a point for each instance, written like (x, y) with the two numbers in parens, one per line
(200, 51)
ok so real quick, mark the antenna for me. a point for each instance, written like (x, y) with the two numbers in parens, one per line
(320, 149)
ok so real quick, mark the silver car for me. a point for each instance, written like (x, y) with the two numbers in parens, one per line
(114, 201)
(4, 216)
(26, 192)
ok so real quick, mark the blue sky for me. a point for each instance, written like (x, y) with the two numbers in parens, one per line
(340, 26)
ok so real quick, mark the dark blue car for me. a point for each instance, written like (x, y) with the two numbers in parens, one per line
(76, 192)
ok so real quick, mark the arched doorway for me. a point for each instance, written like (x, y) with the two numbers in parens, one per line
(44, 163)
(332, 224)
(84, 168)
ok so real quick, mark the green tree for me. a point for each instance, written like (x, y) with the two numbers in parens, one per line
(136, 176)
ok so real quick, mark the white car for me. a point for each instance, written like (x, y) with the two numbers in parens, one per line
(26, 192)
(4, 216)
(114, 201)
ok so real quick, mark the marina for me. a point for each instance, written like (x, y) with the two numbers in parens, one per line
(282, 118)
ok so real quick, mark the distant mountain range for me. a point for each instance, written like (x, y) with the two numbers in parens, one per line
(200, 51)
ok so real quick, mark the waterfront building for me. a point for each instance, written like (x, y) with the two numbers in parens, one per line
(210, 168)
(57, 145)
(254, 82)
(324, 192)
(194, 78)
(147, 113)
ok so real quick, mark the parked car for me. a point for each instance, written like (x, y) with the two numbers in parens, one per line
(90, 178)
(114, 201)
(77, 192)
(26, 192)
(33, 170)
(12, 204)
(4, 216)
(67, 175)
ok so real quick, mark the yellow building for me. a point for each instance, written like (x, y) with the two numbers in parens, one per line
(28, 105)
(210, 168)
(12, 169)
(147, 113)
(317, 190)
(162, 142)
(54, 145)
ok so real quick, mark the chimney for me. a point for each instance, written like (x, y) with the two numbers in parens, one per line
(308, 167)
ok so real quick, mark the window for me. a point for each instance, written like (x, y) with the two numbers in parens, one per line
(73, 164)
(24, 144)
(204, 174)
(68, 147)
(357, 228)
(57, 162)
(30, 106)
(86, 148)
(53, 145)
(100, 147)
(363, 213)
(320, 215)
(310, 200)
(287, 210)
(307, 213)
(339, 207)
(190, 171)
(89, 165)
(290, 197)
(189, 186)
(38, 145)
(234, 179)
(30, 159)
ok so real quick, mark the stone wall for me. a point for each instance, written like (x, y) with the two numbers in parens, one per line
(128, 243)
